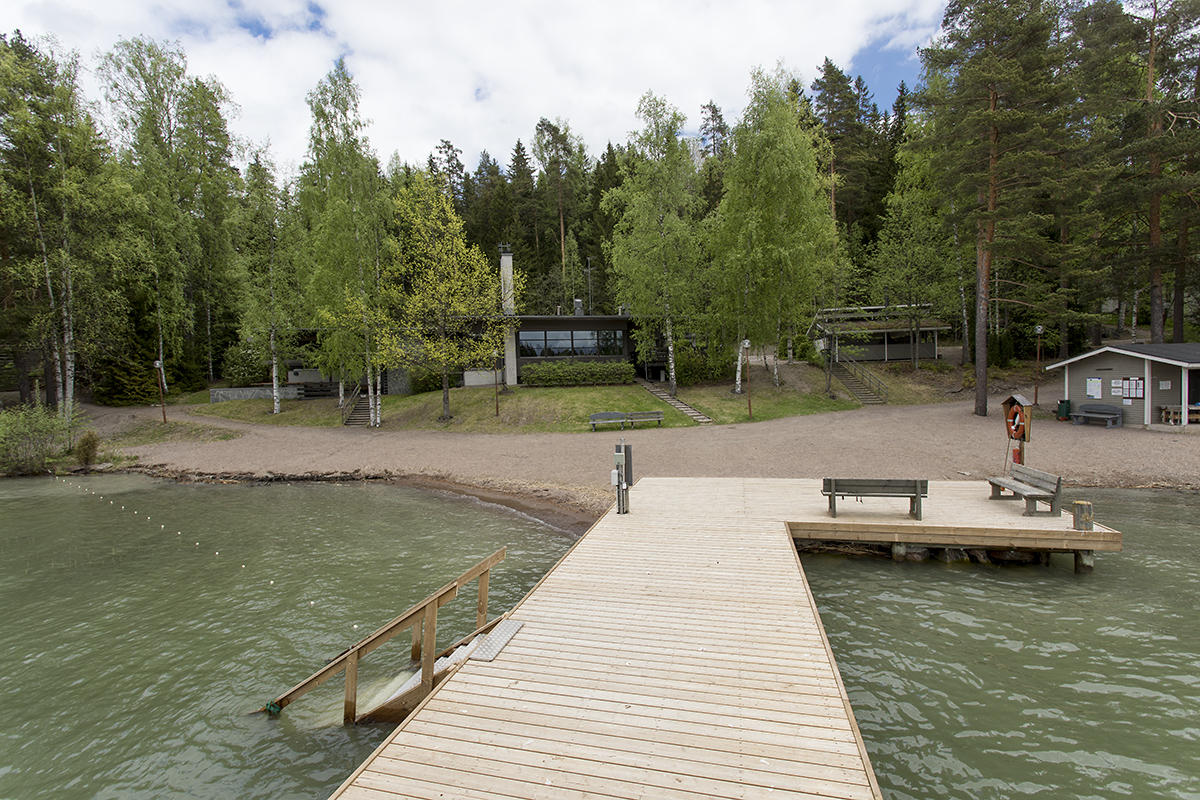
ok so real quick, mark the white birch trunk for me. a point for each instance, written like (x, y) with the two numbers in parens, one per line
(275, 404)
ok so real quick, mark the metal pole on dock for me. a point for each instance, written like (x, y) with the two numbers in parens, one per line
(619, 479)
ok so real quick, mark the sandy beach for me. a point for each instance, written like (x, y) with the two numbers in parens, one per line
(565, 476)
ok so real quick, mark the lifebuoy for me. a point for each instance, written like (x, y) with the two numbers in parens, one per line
(1016, 422)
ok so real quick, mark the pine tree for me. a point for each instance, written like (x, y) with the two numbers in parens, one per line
(989, 93)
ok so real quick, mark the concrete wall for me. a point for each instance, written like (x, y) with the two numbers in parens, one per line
(252, 393)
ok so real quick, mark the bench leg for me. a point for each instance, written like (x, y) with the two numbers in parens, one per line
(914, 505)
(996, 492)
(1030, 506)
(832, 504)
(899, 551)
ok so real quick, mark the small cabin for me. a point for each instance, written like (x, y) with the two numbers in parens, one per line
(1150, 383)
(878, 333)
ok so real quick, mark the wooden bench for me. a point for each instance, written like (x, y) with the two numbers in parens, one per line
(607, 418)
(914, 490)
(645, 416)
(1089, 411)
(1031, 484)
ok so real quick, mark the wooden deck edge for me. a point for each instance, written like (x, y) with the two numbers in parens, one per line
(876, 792)
(989, 538)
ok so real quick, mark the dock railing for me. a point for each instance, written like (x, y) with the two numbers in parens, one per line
(422, 619)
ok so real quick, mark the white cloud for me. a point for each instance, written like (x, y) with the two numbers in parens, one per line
(481, 74)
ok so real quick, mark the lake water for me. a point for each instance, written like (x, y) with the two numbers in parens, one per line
(132, 648)
(979, 682)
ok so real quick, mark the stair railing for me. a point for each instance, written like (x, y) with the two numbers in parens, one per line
(351, 402)
(857, 370)
(422, 618)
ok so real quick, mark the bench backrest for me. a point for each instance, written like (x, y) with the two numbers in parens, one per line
(603, 415)
(1035, 477)
(641, 415)
(1098, 408)
(868, 487)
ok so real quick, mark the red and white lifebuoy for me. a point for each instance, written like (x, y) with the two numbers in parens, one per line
(1016, 422)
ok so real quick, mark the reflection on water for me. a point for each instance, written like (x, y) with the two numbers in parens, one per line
(976, 682)
(143, 619)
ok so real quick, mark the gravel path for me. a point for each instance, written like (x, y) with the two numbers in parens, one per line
(571, 470)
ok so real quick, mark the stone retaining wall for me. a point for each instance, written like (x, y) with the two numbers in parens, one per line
(252, 393)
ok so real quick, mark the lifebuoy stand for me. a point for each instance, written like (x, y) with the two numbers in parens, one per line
(1018, 419)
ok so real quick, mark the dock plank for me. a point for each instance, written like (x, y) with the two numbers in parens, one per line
(675, 652)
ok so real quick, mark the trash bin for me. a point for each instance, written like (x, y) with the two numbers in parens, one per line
(1064, 409)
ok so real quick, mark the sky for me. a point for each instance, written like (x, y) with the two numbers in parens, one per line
(481, 74)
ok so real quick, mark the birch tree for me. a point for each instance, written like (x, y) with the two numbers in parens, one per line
(773, 240)
(655, 246)
(446, 295)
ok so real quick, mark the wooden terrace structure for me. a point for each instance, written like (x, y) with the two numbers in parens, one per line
(675, 652)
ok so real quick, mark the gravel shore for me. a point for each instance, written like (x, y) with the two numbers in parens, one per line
(564, 477)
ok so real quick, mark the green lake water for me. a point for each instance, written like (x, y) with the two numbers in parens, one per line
(983, 682)
(132, 648)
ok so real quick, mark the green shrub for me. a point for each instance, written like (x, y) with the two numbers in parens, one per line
(577, 373)
(86, 448)
(127, 383)
(29, 437)
(244, 365)
(692, 366)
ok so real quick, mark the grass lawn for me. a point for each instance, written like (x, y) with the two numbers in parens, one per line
(566, 409)
(154, 432)
(767, 402)
(523, 410)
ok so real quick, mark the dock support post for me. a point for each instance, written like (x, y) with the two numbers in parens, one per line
(350, 709)
(416, 640)
(899, 551)
(1085, 562)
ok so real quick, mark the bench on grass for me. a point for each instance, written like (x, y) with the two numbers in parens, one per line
(632, 417)
(1089, 411)
(607, 418)
(1032, 485)
(645, 416)
(914, 490)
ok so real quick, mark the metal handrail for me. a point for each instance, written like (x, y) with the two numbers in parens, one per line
(349, 404)
(874, 384)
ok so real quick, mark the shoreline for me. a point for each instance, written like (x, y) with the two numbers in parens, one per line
(557, 507)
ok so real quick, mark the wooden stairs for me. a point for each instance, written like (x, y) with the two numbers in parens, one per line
(861, 391)
(361, 413)
(661, 394)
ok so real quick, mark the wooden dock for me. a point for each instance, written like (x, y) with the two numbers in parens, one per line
(675, 652)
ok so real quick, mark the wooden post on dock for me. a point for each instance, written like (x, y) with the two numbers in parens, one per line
(350, 708)
(1085, 560)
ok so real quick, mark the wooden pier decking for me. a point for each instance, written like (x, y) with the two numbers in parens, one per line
(674, 652)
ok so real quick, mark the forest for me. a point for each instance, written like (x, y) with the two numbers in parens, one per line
(1043, 173)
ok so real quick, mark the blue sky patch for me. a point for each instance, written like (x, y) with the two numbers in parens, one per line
(316, 20)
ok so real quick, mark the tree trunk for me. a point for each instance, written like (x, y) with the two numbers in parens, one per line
(670, 334)
(1181, 281)
(275, 404)
(737, 375)
(445, 417)
(1154, 218)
